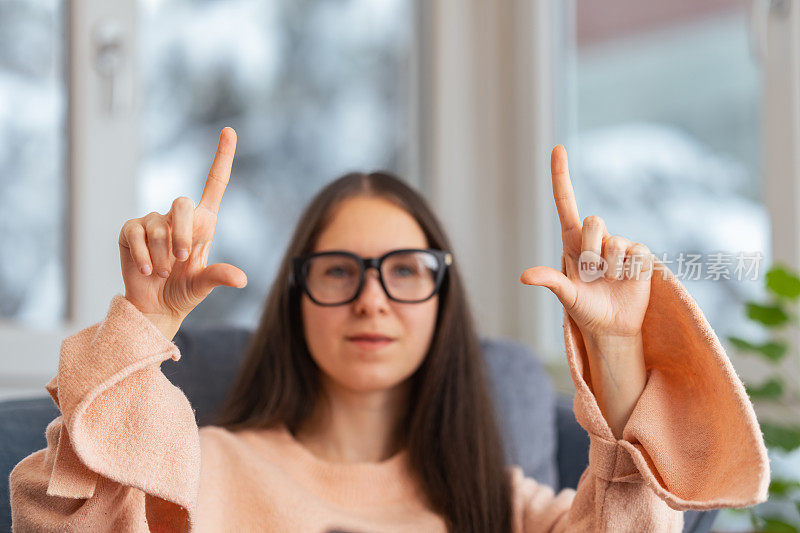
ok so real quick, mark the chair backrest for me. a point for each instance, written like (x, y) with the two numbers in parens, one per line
(522, 391)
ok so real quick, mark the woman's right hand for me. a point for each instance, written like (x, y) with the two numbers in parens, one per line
(162, 281)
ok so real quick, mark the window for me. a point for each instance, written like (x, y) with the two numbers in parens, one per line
(665, 131)
(313, 90)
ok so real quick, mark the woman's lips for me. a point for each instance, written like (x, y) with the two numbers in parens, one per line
(370, 344)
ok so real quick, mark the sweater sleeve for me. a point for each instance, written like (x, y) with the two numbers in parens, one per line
(124, 454)
(691, 442)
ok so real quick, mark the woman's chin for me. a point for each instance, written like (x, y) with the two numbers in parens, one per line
(361, 378)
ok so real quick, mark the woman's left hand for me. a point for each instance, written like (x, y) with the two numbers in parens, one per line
(606, 288)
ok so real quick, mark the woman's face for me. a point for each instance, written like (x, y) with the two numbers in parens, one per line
(369, 227)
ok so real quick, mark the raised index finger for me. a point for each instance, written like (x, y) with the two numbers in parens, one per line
(563, 194)
(220, 171)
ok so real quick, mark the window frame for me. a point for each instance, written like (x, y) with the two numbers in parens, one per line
(777, 45)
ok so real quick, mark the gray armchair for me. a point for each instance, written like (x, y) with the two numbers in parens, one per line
(539, 426)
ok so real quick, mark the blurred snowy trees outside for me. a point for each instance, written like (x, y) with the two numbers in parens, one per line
(668, 149)
(33, 187)
(668, 190)
(313, 90)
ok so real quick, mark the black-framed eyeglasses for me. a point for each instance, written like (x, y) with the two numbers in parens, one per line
(409, 275)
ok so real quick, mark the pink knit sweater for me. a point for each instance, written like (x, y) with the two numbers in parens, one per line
(126, 454)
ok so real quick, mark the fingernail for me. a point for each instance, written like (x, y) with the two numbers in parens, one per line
(146, 270)
(164, 273)
(182, 255)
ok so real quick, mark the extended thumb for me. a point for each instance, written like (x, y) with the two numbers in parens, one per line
(554, 280)
(221, 274)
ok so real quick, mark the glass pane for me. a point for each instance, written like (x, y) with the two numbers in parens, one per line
(665, 142)
(313, 89)
(33, 188)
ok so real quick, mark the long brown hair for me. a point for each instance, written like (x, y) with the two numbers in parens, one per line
(450, 430)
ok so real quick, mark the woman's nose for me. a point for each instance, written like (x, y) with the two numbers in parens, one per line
(372, 298)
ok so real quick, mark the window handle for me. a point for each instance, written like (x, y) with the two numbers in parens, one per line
(760, 11)
(109, 59)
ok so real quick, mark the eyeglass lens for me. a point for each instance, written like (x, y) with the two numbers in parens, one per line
(407, 275)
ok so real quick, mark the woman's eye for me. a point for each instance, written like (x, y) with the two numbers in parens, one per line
(405, 271)
(337, 272)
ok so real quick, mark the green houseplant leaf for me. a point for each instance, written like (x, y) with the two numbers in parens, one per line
(768, 390)
(782, 487)
(768, 315)
(782, 282)
(776, 525)
(786, 438)
(772, 350)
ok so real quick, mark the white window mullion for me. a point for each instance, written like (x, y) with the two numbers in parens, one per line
(538, 47)
(781, 123)
(488, 128)
(103, 151)
(777, 41)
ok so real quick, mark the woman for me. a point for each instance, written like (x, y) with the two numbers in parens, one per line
(362, 403)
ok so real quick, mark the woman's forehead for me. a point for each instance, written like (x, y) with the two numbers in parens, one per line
(370, 226)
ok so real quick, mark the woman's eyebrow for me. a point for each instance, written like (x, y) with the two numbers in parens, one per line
(384, 252)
